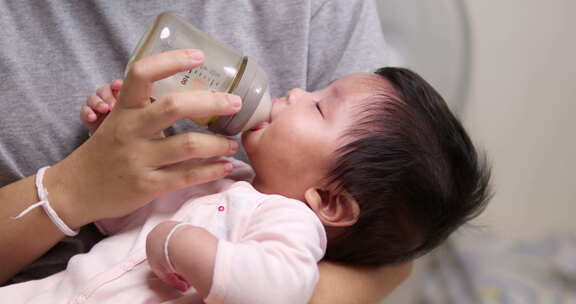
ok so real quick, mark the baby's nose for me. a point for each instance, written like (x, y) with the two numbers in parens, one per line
(295, 94)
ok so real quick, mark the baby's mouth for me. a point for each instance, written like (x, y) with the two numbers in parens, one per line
(265, 123)
(260, 126)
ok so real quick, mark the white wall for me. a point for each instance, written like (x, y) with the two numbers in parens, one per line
(522, 109)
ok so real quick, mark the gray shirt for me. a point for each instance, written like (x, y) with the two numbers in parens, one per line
(53, 54)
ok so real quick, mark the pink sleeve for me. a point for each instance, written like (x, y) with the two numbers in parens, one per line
(111, 226)
(114, 225)
(276, 259)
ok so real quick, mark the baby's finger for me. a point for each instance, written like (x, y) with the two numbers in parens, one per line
(87, 115)
(97, 104)
(105, 93)
(116, 86)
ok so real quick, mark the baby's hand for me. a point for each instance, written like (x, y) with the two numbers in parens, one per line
(157, 256)
(99, 104)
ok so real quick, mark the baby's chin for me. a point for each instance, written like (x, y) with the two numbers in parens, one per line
(252, 136)
(251, 140)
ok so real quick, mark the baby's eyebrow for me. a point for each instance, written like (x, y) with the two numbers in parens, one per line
(335, 91)
(334, 101)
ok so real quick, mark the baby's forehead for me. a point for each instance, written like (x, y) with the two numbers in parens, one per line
(355, 97)
(366, 83)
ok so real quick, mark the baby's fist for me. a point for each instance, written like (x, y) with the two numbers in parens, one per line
(99, 104)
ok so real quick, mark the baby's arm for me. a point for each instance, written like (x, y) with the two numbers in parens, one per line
(190, 250)
(273, 262)
(99, 104)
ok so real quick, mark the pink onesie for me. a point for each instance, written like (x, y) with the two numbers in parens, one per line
(268, 250)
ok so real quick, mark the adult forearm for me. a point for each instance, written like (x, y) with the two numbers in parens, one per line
(25, 239)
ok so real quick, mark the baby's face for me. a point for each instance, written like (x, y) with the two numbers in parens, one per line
(295, 150)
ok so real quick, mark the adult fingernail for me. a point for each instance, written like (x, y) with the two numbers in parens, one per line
(233, 147)
(195, 55)
(235, 101)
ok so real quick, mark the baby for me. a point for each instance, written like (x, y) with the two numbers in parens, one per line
(371, 170)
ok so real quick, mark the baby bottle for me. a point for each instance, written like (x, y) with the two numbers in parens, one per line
(224, 70)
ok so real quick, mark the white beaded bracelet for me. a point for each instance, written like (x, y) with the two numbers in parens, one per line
(43, 195)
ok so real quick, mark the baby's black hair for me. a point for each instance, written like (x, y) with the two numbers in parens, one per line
(413, 170)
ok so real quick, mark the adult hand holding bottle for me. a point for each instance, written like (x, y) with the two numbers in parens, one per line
(124, 165)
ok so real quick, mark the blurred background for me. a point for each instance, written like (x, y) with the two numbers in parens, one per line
(507, 68)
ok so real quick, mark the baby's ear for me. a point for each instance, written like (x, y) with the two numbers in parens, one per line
(334, 210)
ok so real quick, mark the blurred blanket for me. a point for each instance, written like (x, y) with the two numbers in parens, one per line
(486, 269)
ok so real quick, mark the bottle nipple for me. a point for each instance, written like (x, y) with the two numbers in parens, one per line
(262, 113)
